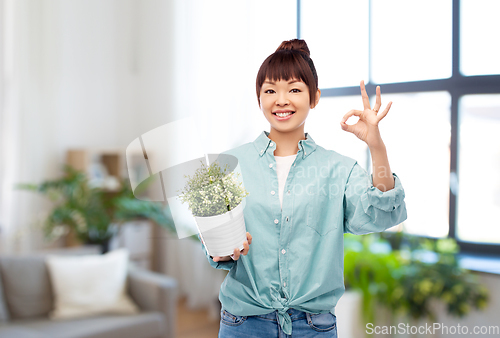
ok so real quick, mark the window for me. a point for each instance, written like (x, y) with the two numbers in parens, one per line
(418, 147)
(343, 59)
(405, 49)
(478, 30)
(439, 68)
(479, 167)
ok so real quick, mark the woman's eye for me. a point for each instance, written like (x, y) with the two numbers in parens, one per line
(270, 91)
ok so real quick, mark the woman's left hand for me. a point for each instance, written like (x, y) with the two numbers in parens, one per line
(366, 129)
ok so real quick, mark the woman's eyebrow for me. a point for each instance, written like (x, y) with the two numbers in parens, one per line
(289, 82)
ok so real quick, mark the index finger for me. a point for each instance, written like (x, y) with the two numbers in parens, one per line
(364, 95)
(236, 254)
(378, 101)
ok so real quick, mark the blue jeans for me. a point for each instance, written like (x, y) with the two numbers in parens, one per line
(304, 325)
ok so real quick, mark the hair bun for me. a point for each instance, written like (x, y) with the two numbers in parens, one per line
(295, 44)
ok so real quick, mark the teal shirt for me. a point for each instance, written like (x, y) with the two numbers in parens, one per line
(296, 259)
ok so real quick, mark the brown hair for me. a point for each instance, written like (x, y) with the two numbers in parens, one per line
(290, 60)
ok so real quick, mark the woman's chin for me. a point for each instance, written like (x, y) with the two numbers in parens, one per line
(284, 129)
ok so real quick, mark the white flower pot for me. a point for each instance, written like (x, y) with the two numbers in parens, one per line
(223, 233)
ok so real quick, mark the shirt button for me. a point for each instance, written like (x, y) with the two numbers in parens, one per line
(271, 144)
(283, 251)
(272, 192)
(287, 218)
(305, 153)
(276, 221)
(288, 192)
(270, 165)
(284, 283)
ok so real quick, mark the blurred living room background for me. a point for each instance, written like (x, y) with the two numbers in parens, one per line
(81, 79)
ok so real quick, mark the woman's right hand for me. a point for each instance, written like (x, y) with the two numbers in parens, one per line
(236, 254)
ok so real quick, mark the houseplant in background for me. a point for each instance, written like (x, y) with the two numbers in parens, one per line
(404, 273)
(93, 214)
(215, 200)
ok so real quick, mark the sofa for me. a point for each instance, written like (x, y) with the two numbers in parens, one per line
(26, 298)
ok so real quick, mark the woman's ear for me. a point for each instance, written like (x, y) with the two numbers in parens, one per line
(316, 101)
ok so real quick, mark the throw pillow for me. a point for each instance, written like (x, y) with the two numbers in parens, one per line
(90, 285)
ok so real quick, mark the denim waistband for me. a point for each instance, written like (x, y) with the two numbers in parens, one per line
(294, 314)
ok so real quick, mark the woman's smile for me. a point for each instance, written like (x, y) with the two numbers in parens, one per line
(282, 115)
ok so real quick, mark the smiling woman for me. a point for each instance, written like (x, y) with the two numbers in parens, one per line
(302, 199)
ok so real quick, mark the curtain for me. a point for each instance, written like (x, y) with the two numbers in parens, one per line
(9, 122)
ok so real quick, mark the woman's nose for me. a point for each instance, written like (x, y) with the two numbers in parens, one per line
(281, 100)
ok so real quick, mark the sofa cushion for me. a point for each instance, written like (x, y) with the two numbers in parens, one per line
(4, 314)
(143, 325)
(90, 285)
(26, 284)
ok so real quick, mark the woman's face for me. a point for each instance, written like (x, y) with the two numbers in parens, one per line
(283, 97)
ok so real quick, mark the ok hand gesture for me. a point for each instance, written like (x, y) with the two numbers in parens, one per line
(366, 129)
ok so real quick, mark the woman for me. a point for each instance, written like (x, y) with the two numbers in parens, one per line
(302, 199)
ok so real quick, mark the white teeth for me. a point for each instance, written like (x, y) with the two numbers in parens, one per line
(283, 114)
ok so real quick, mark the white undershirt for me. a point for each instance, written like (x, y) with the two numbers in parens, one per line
(283, 165)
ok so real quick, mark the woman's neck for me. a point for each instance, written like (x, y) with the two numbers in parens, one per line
(286, 142)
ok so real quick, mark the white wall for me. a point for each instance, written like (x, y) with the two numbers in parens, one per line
(87, 73)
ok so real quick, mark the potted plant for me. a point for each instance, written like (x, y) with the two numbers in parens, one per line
(215, 200)
(408, 275)
(92, 213)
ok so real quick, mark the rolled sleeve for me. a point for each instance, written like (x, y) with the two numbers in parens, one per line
(227, 265)
(368, 209)
(384, 200)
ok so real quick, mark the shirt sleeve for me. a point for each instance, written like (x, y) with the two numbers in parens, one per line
(227, 265)
(366, 208)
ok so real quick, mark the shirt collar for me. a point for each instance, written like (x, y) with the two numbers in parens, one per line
(263, 143)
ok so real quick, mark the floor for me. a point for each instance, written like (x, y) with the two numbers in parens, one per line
(195, 324)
